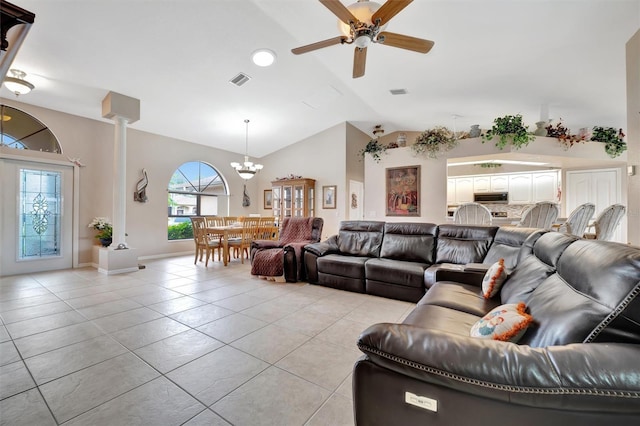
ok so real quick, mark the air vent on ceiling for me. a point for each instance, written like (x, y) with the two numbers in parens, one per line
(398, 91)
(240, 79)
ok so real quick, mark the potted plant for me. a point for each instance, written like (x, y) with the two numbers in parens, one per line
(375, 148)
(104, 228)
(434, 141)
(509, 129)
(612, 138)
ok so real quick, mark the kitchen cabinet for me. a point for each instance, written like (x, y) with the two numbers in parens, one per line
(499, 183)
(544, 187)
(520, 188)
(451, 191)
(464, 190)
(293, 197)
(482, 184)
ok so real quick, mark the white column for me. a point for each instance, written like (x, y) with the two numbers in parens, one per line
(119, 182)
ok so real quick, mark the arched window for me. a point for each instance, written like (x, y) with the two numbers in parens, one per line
(195, 189)
(22, 131)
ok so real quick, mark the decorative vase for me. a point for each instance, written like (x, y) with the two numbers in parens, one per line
(541, 131)
(106, 242)
(475, 131)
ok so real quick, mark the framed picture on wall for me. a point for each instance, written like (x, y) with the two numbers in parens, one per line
(268, 199)
(329, 197)
(403, 191)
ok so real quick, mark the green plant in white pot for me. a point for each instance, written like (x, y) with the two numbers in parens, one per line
(612, 138)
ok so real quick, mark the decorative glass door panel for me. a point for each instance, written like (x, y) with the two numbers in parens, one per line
(36, 229)
(39, 214)
(277, 201)
(312, 202)
(293, 197)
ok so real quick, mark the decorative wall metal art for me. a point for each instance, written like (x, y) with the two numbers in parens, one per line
(140, 194)
(246, 201)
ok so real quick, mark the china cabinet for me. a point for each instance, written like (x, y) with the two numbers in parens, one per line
(293, 197)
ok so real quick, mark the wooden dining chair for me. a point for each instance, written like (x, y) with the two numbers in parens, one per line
(204, 244)
(243, 243)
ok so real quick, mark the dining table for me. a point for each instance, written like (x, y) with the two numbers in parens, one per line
(223, 231)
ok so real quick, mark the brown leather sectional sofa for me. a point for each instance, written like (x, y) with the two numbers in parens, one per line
(578, 364)
(399, 260)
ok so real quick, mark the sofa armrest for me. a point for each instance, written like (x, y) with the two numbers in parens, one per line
(330, 245)
(587, 377)
(265, 244)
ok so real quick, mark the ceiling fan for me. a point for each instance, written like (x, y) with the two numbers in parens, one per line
(363, 23)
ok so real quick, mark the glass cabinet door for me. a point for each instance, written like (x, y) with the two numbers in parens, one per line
(298, 192)
(276, 201)
(311, 202)
(287, 200)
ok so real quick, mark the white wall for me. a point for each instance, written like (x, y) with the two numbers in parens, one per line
(92, 142)
(320, 157)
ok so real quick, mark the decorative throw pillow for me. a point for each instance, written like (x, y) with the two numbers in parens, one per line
(493, 279)
(506, 322)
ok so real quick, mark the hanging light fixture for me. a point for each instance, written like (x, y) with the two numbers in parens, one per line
(17, 84)
(247, 169)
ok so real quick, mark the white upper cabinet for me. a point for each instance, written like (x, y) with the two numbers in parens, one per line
(451, 191)
(545, 187)
(499, 183)
(520, 188)
(464, 190)
(482, 183)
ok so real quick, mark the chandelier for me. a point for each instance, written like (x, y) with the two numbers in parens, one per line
(247, 169)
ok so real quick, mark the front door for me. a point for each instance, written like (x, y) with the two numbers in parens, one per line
(37, 217)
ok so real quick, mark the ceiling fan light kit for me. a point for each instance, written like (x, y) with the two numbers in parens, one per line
(247, 169)
(362, 24)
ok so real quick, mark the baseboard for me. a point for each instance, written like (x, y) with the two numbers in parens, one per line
(165, 255)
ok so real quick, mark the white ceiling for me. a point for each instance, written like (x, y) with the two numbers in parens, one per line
(490, 58)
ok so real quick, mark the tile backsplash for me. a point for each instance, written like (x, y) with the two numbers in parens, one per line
(513, 210)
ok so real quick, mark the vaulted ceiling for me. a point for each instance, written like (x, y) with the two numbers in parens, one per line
(490, 58)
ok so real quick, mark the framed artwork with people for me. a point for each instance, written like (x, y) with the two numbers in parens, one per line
(403, 191)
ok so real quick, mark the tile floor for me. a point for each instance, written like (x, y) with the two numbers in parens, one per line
(179, 344)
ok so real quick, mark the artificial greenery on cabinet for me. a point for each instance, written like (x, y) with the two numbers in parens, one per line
(612, 138)
(509, 129)
(375, 148)
(434, 141)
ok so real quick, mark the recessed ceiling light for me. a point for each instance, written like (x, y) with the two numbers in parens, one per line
(263, 57)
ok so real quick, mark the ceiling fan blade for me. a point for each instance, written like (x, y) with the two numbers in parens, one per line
(340, 10)
(406, 42)
(359, 61)
(388, 10)
(318, 45)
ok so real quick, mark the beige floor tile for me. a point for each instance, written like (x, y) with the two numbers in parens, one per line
(232, 327)
(54, 339)
(14, 378)
(337, 411)
(270, 343)
(38, 325)
(68, 359)
(274, 397)
(174, 351)
(343, 332)
(83, 390)
(214, 375)
(322, 363)
(158, 402)
(126, 319)
(173, 306)
(143, 334)
(201, 315)
(25, 409)
(207, 418)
